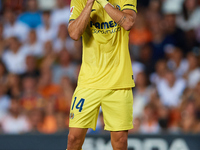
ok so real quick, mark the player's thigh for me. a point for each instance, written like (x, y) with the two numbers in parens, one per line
(117, 110)
(84, 108)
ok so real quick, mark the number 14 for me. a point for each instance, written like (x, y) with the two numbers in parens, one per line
(79, 105)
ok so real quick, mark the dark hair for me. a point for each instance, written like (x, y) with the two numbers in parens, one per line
(185, 12)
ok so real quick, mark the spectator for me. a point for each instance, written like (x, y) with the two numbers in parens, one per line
(136, 124)
(159, 75)
(193, 73)
(177, 63)
(14, 57)
(49, 57)
(30, 99)
(163, 118)
(159, 40)
(137, 67)
(63, 41)
(153, 9)
(14, 122)
(31, 67)
(32, 17)
(57, 17)
(3, 75)
(49, 124)
(43, 5)
(4, 102)
(63, 99)
(140, 34)
(170, 89)
(149, 122)
(35, 117)
(61, 122)
(142, 94)
(189, 121)
(174, 35)
(46, 87)
(3, 44)
(65, 67)
(46, 32)
(14, 28)
(14, 88)
(174, 120)
(33, 46)
(1, 29)
(146, 58)
(189, 19)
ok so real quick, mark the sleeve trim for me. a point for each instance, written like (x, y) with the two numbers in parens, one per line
(71, 20)
(129, 5)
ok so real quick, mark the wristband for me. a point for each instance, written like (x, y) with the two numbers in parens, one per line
(102, 2)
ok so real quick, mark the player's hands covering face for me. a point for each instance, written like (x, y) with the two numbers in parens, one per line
(90, 1)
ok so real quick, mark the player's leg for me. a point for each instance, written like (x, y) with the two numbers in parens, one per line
(83, 115)
(117, 109)
(76, 138)
(119, 140)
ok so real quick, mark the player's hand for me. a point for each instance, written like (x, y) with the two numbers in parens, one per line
(90, 1)
(102, 2)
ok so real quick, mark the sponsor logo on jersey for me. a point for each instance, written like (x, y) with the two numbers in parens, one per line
(103, 25)
(71, 10)
(71, 116)
(118, 7)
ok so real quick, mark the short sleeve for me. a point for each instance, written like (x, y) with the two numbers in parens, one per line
(75, 9)
(130, 4)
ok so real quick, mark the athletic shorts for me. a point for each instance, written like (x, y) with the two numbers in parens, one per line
(117, 108)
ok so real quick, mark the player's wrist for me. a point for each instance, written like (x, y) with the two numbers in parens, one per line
(89, 3)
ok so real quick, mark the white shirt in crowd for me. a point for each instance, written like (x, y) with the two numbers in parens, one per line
(140, 101)
(60, 16)
(153, 128)
(179, 70)
(19, 30)
(4, 105)
(11, 125)
(137, 67)
(45, 35)
(68, 44)
(34, 49)
(15, 62)
(170, 96)
(60, 71)
(193, 78)
(192, 23)
(155, 78)
(43, 5)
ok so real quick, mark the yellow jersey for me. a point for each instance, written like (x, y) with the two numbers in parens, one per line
(106, 62)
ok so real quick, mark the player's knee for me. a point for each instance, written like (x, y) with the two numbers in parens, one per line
(123, 140)
(74, 140)
(120, 143)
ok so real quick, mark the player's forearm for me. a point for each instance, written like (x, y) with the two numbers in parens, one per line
(77, 27)
(123, 19)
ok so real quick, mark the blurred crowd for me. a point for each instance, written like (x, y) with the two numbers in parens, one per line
(39, 66)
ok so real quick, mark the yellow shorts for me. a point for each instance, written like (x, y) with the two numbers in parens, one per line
(117, 107)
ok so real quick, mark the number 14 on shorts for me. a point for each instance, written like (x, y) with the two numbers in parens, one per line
(79, 105)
